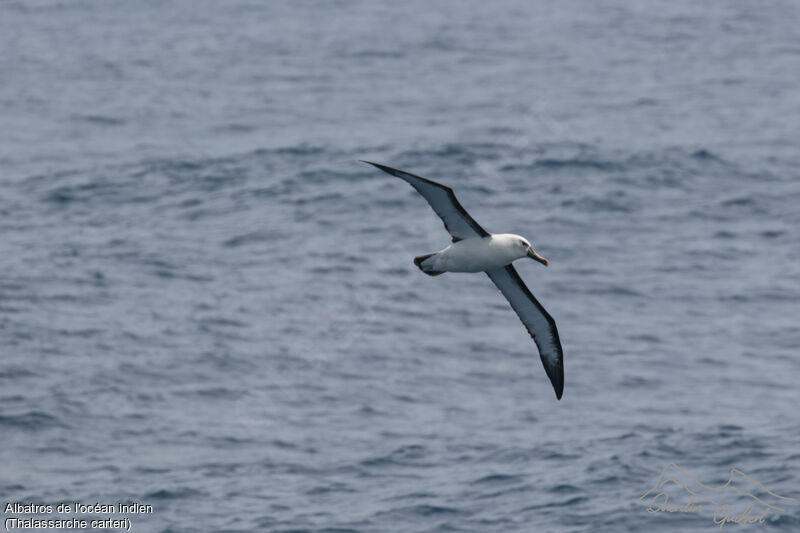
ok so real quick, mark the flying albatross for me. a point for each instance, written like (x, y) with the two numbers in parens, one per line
(476, 250)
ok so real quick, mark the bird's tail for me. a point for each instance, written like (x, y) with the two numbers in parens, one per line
(420, 259)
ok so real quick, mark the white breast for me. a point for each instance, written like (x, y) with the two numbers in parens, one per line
(479, 254)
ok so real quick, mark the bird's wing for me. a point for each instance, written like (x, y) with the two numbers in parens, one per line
(538, 322)
(443, 201)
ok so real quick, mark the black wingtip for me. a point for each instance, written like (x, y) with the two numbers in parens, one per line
(388, 170)
(556, 375)
(558, 386)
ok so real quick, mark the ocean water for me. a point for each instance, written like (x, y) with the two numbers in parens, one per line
(209, 306)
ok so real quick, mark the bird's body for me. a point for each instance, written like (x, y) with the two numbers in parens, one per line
(477, 254)
(476, 250)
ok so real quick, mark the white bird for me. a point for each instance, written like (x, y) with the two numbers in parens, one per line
(476, 250)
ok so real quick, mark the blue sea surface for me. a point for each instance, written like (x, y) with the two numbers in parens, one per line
(208, 305)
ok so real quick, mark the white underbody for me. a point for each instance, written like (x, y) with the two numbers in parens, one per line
(476, 255)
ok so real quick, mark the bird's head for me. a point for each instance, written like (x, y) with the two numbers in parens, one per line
(527, 250)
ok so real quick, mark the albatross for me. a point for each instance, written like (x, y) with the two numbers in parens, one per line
(476, 250)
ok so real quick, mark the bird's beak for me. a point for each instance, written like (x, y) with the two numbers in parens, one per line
(533, 254)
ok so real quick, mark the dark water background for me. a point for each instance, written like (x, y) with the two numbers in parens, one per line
(207, 305)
